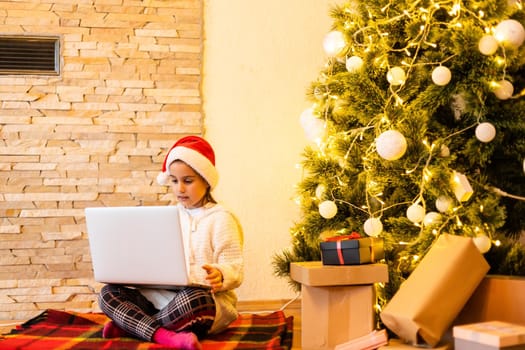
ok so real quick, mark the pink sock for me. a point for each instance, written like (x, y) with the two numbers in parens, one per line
(111, 330)
(182, 340)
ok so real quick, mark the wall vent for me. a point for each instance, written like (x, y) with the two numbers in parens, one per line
(29, 55)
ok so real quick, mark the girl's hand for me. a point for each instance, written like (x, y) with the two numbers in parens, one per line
(214, 277)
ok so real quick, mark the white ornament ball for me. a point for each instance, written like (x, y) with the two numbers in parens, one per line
(396, 76)
(510, 32)
(313, 127)
(504, 90)
(431, 218)
(443, 203)
(327, 209)
(444, 151)
(482, 242)
(485, 132)
(334, 43)
(373, 227)
(488, 45)
(306, 117)
(354, 63)
(315, 130)
(415, 213)
(441, 75)
(391, 145)
(320, 190)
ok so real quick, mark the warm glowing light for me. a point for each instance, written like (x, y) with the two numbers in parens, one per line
(500, 61)
(461, 187)
(427, 174)
(455, 10)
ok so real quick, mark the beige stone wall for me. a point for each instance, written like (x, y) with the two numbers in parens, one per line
(93, 136)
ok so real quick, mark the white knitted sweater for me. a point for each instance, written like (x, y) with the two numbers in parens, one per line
(212, 235)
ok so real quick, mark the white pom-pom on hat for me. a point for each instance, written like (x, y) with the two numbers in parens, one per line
(197, 153)
(162, 178)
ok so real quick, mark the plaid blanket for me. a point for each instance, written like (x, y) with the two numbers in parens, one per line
(69, 330)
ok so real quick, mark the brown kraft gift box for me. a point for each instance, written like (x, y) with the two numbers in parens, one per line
(429, 300)
(337, 303)
(497, 297)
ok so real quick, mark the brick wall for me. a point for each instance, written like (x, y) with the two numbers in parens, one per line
(93, 136)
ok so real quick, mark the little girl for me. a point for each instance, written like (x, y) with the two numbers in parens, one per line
(213, 240)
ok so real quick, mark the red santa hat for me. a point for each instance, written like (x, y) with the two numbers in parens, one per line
(197, 153)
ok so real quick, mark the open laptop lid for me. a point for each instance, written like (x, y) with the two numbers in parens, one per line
(139, 246)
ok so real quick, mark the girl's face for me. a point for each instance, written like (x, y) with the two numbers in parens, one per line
(188, 186)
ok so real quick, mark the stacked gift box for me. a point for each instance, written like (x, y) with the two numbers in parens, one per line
(429, 300)
(489, 335)
(351, 250)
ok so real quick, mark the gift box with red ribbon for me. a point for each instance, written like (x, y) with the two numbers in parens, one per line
(351, 250)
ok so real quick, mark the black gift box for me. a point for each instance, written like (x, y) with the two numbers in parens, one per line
(352, 251)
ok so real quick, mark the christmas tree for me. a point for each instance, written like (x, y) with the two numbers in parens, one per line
(417, 126)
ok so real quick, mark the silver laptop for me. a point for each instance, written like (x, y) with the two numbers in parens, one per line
(138, 246)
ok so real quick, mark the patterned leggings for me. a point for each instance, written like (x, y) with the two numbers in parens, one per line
(191, 310)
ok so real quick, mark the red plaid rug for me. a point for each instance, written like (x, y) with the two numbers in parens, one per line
(69, 330)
